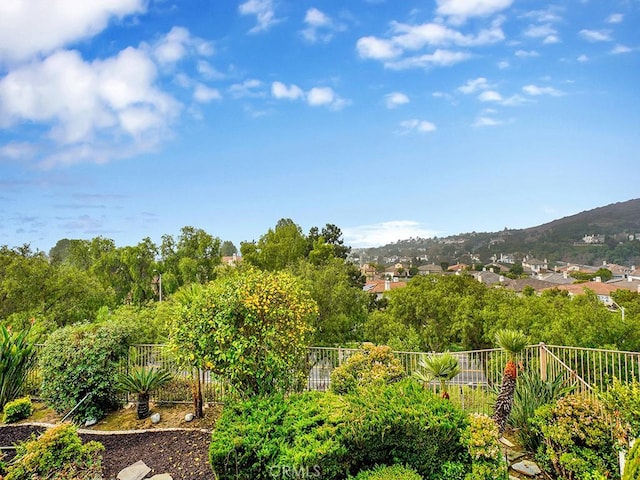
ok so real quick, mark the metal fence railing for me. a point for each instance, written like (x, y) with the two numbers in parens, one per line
(474, 388)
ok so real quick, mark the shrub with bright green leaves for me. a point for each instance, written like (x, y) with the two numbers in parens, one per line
(577, 439)
(82, 360)
(338, 435)
(17, 410)
(371, 365)
(16, 358)
(623, 402)
(632, 465)
(58, 453)
(392, 472)
(481, 438)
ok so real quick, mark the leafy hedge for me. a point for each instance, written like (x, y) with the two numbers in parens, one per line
(331, 435)
(17, 410)
(80, 360)
(394, 472)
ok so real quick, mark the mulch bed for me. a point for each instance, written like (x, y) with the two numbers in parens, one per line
(181, 453)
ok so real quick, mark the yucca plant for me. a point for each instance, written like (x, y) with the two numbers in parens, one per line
(16, 359)
(442, 367)
(142, 381)
(513, 342)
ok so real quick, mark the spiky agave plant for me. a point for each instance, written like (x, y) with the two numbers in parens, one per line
(513, 342)
(142, 381)
(442, 367)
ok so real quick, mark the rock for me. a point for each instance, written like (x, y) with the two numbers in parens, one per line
(90, 422)
(511, 477)
(506, 443)
(514, 455)
(162, 476)
(189, 417)
(527, 468)
(155, 418)
(137, 471)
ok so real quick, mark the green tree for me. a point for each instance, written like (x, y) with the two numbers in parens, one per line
(228, 249)
(278, 248)
(342, 306)
(251, 327)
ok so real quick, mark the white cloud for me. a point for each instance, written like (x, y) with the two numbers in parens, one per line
(621, 49)
(280, 90)
(437, 58)
(376, 48)
(535, 90)
(325, 96)
(248, 88)
(208, 71)
(32, 27)
(383, 233)
(484, 121)
(474, 85)
(595, 35)
(526, 53)
(405, 39)
(204, 94)
(395, 99)
(548, 33)
(548, 15)
(615, 18)
(79, 99)
(503, 64)
(415, 125)
(460, 10)
(264, 12)
(319, 26)
(490, 96)
(583, 58)
(177, 44)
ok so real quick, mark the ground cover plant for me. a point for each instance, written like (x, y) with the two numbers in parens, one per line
(337, 435)
(17, 409)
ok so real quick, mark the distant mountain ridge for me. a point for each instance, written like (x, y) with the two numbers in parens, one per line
(615, 227)
(616, 216)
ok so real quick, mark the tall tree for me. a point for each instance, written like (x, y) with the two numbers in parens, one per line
(278, 248)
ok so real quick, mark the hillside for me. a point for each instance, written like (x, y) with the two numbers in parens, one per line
(561, 240)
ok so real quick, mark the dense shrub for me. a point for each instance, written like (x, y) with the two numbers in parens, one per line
(632, 466)
(622, 400)
(481, 439)
(16, 410)
(16, 358)
(336, 435)
(371, 365)
(58, 453)
(80, 360)
(393, 472)
(577, 440)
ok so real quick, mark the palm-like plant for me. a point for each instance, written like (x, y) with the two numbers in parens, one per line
(513, 342)
(142, 381)
(442, 367)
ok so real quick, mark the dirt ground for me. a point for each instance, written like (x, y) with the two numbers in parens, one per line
(181, 453)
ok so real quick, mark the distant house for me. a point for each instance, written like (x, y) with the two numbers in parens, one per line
(602, 290)
(380, 287)
(557, 278)
(231, 260)
(534, 264)
(429, 269)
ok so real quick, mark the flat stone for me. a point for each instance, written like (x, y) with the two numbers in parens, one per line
(155, 418)
(162, 476)
(506, 443)
(189, 417)
(527, 468)
(90, 422)
(514, 455)
(511, 477)
(137, 471)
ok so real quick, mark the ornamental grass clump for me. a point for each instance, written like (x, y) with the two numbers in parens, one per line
(17, 356)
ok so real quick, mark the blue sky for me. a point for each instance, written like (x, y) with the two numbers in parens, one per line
(131, 118)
